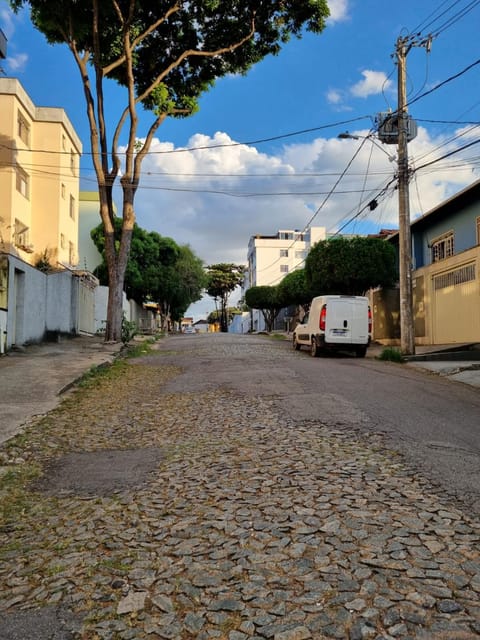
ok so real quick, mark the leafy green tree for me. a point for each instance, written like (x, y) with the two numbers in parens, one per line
(165, 53)
(350, 266)
(222, 280)
(158, 270)
(183, 284)
(294, 290)
(267, 300)
(150, 255)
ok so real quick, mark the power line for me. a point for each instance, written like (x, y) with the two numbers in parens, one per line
(444, 82)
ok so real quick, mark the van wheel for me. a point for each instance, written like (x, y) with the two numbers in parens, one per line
(295, 344)
(314, 350)
(361, 352)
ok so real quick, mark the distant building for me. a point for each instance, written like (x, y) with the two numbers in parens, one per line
(270, 258)
(89, 256)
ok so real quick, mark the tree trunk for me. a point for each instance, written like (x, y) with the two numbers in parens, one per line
(116, 265)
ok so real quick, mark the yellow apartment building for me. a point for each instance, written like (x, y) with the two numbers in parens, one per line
(39, 179)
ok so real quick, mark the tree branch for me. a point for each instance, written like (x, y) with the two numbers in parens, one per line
(195, 52)
(114, 65)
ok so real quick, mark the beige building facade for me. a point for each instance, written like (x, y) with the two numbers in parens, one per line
(39, 180)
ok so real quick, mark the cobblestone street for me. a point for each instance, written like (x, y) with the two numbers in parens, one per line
(146, 508)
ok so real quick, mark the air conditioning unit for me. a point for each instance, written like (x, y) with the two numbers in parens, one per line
(387, 124)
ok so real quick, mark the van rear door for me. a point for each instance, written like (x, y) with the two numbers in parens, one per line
(347, 320)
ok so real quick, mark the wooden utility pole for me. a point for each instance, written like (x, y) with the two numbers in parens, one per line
(407, 333)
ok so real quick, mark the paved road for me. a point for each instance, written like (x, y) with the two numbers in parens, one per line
(227, 487)
(433, 421)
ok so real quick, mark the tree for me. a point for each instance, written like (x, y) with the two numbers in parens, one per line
(293, 289)
(222, 279)
(267, 300)
(165, 53)
(158, 270)
(184, 284)
(150, 255)
(350, 266)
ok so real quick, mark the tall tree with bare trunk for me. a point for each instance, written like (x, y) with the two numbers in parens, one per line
(165, 53)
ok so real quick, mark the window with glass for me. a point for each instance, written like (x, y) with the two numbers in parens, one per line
(20, 234)
(284, 253)
(22, 181)
(72, 207)
(443, 247)
(284, 268)
(23, 129)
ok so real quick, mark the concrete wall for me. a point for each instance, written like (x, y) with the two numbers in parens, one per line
(37, 304)
(62, 302)
(27, 300)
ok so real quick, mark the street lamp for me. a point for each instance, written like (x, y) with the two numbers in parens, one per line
(349, 136)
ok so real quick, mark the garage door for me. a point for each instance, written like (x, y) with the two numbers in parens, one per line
(456, 306)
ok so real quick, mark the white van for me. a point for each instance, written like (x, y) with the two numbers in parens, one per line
(340, 323)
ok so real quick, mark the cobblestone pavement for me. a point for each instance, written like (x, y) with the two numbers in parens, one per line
(245, 524)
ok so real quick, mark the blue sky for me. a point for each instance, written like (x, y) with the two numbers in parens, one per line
(215, 199)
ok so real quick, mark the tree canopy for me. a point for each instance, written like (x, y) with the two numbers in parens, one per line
(350, 266)
(158, 270)
(294, 290)
(222, 279)
(267, 300)
(165, 53)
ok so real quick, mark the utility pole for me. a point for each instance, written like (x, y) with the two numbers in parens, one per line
(407, 333)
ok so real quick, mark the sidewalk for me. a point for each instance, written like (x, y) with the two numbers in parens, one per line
(459, 363)
(33, 378)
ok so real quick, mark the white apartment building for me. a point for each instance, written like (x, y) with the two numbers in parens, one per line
(270, 258)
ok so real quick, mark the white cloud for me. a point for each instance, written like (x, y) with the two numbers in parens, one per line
(215, 198)
(17, 63)
(334, 96)
(338, 10)
(373, 83)
(6, 20)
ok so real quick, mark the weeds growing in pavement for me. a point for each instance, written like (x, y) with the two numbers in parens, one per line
(392, 354)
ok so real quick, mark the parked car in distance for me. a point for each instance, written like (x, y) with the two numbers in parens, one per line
(335, 323)
(189, 329)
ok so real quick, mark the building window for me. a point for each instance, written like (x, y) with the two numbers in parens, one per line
(443, 247)
(284, 253)
(63, 190)
(23, 181)
(64, 143)
(71, 253)
(72, 207)
(20, 234)
(284, 268)
(300, 255)
(72, 161)
(23, 129)
(285, 235)
(63, 243)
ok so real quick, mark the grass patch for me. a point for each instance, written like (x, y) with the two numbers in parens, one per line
(392, 354)
(15, 500)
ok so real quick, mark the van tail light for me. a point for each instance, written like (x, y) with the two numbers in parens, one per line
(369, 320)
(323, 317)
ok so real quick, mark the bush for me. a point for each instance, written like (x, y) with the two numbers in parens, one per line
(392, 354)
